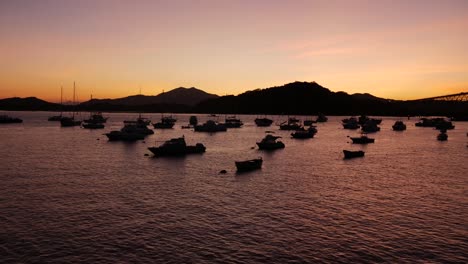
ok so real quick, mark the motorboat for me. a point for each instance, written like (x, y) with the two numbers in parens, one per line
(139, 120)
(269, 142)
(232, 122)
(364, 119)
(249, 165)
(4, 119)
(93, 125)
(176, 147)
(210, 126)
(321, 118)
(309, 122)
(437, 122)
(130, 132)
(69, 122)
(124, 136)
(363, 139)
(96, 118)
(370, 126)
(166, 122)
(399, 126)
(305, 133)
(349, 154)
(138, 128)
(263, 122)
(350, 123)
(291, 124)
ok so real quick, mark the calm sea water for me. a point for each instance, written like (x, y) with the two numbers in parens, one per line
(69, 195)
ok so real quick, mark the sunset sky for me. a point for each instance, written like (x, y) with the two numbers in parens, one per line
(111, 48)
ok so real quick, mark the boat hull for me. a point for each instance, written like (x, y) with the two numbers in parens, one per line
(249, 165)
(348, 154)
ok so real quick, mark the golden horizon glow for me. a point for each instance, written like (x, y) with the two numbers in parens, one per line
(391, 49)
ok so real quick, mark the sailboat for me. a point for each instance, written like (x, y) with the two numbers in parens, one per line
(58, 117)
(70, 121)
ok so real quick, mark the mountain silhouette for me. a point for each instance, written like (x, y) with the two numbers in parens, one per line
(294, 98)
(28, 104)
(298, 98)
(178, 96)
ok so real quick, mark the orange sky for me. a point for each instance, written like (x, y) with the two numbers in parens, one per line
(392, 49)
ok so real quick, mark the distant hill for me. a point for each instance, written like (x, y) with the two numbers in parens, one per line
(297, 98)
(28, 103)
(294, 98)
(179, 96)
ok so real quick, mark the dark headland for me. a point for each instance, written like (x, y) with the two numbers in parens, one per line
(300, 98)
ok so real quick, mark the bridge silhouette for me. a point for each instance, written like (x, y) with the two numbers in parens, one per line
(459, 97)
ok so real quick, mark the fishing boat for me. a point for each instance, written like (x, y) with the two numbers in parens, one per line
(399, 126)
(4, 119)
(249, 165)
(177, 147)
(269, 142)
(348, 154)
(363, 139)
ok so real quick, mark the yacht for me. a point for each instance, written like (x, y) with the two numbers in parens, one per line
(176, 147)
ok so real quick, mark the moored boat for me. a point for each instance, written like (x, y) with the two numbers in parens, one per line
(124, 136)
(69, 122)
(166, 122)
(4, 119)
(370, 126)
(399, 126)
(210, 126)
(232, 122)
(176, 147)
(442, 136)
(291, 124)
(93, 125)
(350, 123)
(96, 118)
(305, 133)
(321, 118)
(269, 142)
(263, 122)
(363, 139)
(349, 154)
(249, 165)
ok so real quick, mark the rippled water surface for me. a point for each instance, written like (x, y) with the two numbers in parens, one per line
(69, 195)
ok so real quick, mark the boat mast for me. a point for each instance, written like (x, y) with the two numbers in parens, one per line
(73, 100)
(61, 100)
